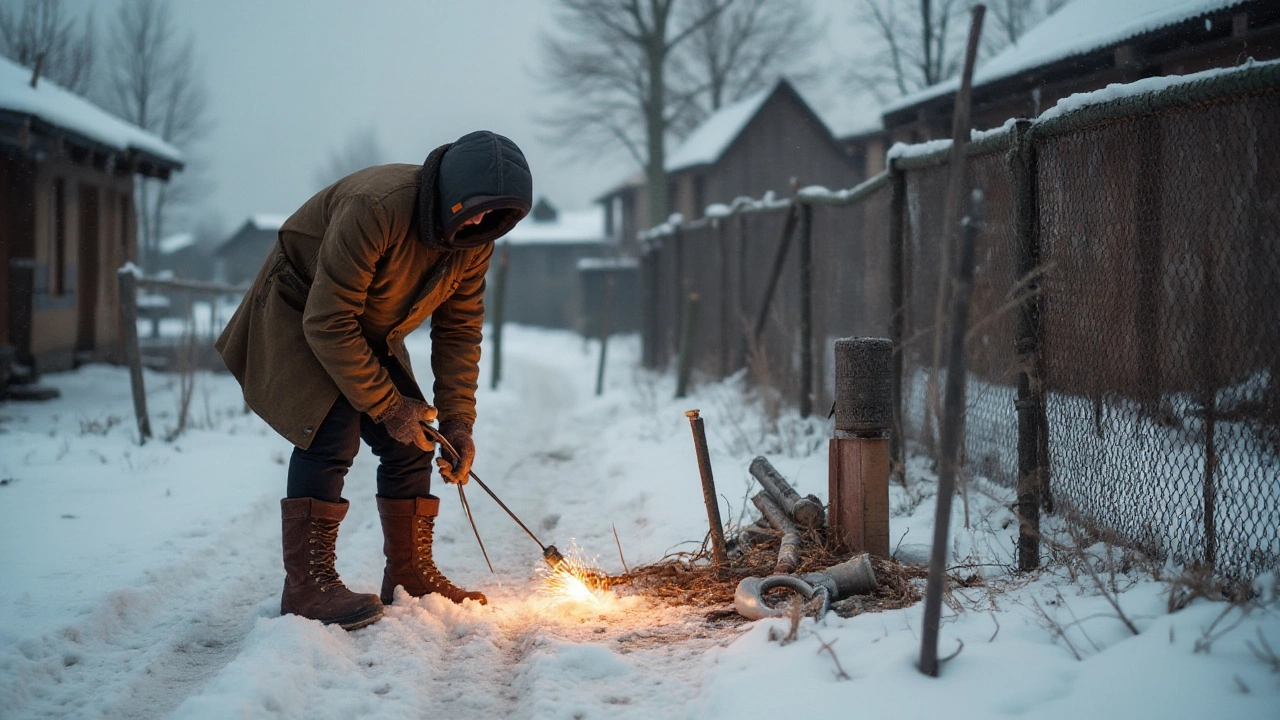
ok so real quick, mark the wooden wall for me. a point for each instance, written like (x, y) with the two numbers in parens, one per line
(52, 315)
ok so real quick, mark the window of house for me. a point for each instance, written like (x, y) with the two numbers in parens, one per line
(58, 266)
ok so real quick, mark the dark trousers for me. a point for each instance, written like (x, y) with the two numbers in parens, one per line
(404, 471)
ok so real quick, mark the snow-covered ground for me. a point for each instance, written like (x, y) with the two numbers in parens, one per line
(144, 581)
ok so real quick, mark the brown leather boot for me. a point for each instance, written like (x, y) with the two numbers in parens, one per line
(312, 587)
(407, 526)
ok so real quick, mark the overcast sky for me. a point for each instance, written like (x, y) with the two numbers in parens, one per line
(290, 80)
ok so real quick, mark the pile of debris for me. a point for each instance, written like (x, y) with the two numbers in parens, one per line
(785, 551)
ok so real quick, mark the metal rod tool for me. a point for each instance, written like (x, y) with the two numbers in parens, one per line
(550, 554)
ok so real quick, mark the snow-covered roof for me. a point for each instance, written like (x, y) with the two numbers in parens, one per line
(1079, 27)
(67, 111)
(709, 140)
(570, 226)
(269, 222)
(177, 241)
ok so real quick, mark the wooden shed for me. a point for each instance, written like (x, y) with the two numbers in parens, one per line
(756, 145)
(1087, 45)
(67, 171)
(542, 280)
(237, 260)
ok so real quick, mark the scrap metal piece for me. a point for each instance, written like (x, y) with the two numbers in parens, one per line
(807, 511)
(789, 549)
(853, 577)
(748, 599)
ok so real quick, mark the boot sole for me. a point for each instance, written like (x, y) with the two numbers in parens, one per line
(359, 620)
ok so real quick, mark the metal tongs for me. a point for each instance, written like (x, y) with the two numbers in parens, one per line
(550, 554)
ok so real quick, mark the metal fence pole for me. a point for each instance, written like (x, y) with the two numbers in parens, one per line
(606, 322)
(649, 307)
(898, 316)
(726, 322)
(741, 317)
(679, 285)
(806, 310)
(689, 325)
(1027, 348)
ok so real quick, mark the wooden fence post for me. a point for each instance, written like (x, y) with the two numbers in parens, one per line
(499, 305)
(128, 279)
(858, 453)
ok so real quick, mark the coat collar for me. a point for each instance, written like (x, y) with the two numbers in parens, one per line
(429, 230)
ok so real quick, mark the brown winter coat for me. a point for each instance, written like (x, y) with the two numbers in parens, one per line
(349, 279)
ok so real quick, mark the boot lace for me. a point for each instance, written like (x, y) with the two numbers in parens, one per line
(426, 565)
(323, 541)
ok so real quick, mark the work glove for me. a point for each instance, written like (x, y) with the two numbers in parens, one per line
(404, 419)
(456, 470)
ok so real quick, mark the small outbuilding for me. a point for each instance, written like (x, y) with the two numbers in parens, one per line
(67, 170)
(239, 258)
(756, 145)
(542, 280)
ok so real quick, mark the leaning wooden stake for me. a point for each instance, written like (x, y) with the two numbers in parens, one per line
(789, 550)
(499, 302)
(718, 552)
(950, 443)
(953, 202)
(128, 279)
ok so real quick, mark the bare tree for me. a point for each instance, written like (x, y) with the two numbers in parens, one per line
(153, 82)
(743, 49)
(39, 31)
(1013, 18)
(919, 43)
(915, 45)
(611, 64)
(361, 150)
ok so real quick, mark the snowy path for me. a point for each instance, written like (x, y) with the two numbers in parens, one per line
(143, 582)
(195, 631)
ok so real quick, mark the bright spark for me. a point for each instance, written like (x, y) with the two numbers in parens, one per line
(571, 581)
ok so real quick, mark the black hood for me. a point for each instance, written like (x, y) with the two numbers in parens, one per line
(480, 172)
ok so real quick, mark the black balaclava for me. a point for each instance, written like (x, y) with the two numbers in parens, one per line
(480, 172)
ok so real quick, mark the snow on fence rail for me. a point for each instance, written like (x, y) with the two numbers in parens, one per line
(1122, 357)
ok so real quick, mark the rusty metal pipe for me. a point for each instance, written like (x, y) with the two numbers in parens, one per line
(789, 550)
(806, 511)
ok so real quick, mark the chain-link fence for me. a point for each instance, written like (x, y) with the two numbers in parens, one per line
(1123, 353)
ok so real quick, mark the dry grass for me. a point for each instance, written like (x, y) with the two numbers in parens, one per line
(689, 579)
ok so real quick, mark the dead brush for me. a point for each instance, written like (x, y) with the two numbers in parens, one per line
(689, 578)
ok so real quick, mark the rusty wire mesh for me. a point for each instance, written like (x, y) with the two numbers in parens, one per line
(1161, 329)
(1157, 227)
(990, 430)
